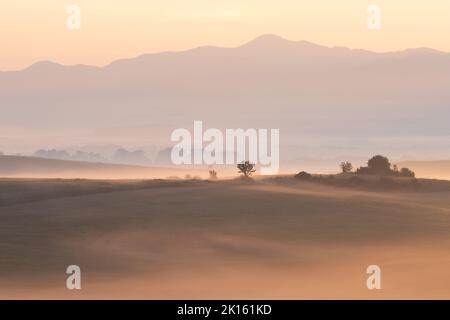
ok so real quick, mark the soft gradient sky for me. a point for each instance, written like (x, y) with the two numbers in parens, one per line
(32, 30)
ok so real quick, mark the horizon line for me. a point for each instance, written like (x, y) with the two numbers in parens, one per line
(258, 38)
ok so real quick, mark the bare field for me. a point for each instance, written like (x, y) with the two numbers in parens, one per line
(267, 239)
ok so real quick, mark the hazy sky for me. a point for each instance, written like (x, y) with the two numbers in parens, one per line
(32, 30)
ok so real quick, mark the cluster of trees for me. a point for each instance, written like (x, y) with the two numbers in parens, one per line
(378, 165)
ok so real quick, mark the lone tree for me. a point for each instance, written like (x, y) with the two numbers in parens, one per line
(379, 164)
(346, 167)
(246, 168)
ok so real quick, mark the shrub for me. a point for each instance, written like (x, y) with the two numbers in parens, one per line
(363, 170)
(405, 172)
(212, 174)
(303, 176)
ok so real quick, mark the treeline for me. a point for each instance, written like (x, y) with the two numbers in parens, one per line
(378, 165)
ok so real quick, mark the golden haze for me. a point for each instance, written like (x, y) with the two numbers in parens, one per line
(36, 30)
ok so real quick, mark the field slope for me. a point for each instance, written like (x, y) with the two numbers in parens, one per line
(272, 238)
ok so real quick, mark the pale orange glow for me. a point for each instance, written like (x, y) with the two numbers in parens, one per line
(31, 31)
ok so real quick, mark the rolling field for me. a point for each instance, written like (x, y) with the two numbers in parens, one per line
(267, 239)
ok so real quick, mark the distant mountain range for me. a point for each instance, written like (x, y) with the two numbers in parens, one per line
(310, 92)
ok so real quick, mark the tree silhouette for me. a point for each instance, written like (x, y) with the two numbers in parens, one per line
(303, 176)
(346, 167)
(246, 168)
(379, 164)
(405, 172)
